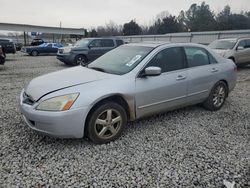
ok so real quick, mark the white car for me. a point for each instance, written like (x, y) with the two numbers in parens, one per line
(236, 49)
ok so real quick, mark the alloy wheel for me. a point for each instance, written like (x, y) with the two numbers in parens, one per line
(108, 124)
(219, 96)
(81, 61)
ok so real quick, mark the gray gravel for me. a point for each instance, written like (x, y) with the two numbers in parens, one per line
(190, 147)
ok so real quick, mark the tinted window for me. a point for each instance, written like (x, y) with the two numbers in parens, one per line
(247, 43)
(242, 44)
(119, 42)
(169, 59)
(96, 43)
(196, 56)
(49, 45)
(3, 40)
(107, 43)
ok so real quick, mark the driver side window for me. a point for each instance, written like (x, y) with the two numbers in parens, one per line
(169, 59)
(242, 44)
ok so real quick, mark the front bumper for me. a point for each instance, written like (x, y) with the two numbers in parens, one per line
(66, 58)
(65, 124)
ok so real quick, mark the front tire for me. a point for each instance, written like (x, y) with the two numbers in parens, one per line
(81, 60)
(34, 53)
(106, 123)
(216, 97)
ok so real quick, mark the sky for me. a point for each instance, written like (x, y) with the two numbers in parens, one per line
(93, 13)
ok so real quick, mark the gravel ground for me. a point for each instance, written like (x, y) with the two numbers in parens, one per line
(190, 147)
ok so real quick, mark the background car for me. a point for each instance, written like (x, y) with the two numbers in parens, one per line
(236, 49)
(127, 83)
(37, 42)
(18, 46)
(2, 57)
(8, 46)
(45, 48)
(87, 50)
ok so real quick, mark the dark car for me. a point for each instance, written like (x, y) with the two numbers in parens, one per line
(18, 46)
(46, 48)
(2, 57)
(87, 50)
(8, 46)
(37, 42)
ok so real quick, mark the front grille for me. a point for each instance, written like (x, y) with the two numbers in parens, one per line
(28, 99)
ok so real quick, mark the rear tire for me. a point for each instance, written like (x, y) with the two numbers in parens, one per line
(106, 123)
(216, 97)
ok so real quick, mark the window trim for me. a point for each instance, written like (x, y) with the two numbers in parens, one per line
(207, 53)
(185, 66)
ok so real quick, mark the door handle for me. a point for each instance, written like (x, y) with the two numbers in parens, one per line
(214, 70)
(180, 77)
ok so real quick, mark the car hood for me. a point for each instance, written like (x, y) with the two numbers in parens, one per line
(221, 52)
(55, 81)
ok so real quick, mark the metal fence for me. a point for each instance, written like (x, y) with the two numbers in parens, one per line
(195, 37)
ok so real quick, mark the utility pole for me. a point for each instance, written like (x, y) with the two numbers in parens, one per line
(61, 34)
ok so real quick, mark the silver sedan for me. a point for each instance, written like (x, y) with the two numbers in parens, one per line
(127, 83)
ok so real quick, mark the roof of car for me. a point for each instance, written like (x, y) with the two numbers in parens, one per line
(152, 44)
(231, 39)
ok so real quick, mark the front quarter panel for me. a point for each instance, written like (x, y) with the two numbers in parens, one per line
(93, 92)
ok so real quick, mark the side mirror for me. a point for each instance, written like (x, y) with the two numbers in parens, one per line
(152, 71)
(240, 48)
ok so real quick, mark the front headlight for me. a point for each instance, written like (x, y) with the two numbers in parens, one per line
(60, 103)
(66, 50)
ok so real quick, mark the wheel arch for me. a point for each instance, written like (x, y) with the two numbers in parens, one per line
(117, 98)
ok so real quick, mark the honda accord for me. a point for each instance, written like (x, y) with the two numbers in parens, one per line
(127, 83)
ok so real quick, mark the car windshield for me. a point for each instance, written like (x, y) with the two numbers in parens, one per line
(120, 60)
(82, 43)
(223, 44)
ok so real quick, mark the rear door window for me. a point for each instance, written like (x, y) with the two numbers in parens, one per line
(107, 43)
(196, 56)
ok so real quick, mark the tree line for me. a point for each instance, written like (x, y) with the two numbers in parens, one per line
(199, 17)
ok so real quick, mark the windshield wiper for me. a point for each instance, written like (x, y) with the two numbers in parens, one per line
(97, 69)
